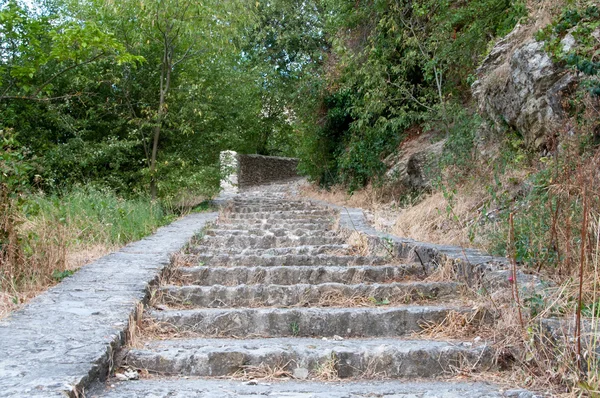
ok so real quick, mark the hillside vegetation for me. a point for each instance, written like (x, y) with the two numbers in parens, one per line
(467, 122)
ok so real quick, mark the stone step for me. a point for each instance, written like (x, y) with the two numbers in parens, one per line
(273, 225)
(279, 232)
(288, 217)
(291, 275)
(207, 388)
(318, 212)
(364, 358)
(267, 201)
(246, 208)
(309, 250)
(267, 242)
(302, 322)
(325, 294)
(221, 260)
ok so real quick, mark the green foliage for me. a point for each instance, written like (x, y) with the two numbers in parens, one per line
(397, 65)
(15, 171)
(459, 147)
(579, 21)
(547, 216)
(38, 51)
(60, 275)
(98, 215)
(79, 83)
(43, 229)
(378, 302)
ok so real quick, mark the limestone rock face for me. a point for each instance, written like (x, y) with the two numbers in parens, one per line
(520, 87)
(410, 166)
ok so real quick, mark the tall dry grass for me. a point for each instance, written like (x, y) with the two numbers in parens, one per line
(48, 237)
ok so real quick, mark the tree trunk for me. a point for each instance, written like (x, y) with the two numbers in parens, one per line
(165, 82)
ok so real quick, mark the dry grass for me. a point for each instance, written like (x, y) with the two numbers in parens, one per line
(368, 198)
(337, 299)
(11, 301)
(456, 324)
(51, 258)
(264, 372)
(135, 327)
(327, 371)
(443, 272)
(430, 221)
(62, 234)
(359, 244)
(77, 257)
(435, 218)
(526, 356)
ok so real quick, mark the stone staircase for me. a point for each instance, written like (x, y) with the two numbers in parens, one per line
(272, 292)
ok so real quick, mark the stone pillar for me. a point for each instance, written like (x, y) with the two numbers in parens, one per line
(229, 172)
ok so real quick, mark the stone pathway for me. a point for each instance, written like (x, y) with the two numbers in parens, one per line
(66, 337)
(273, 302)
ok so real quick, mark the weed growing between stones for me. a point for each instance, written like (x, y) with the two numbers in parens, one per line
(458, 325)
(264, 372)
(294, 329)
(359, 244)
(135, 327)
(541, 353)
(443, 272)
(554, 200)
(328, 370)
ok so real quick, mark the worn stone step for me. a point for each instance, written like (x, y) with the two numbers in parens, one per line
(292, 213)
(287, 216)
(240, 201)
(273, 225)
(279, 232)
(222, 260)
(319, 223)
(266, 242)
(363, 358)
(207, 388)
(246, 208)
(308, 250)
(325, 294)
(291, 275)
(302, 322)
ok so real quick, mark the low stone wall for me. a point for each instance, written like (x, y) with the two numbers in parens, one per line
(66, 338)
(470, 265)
(257, 169)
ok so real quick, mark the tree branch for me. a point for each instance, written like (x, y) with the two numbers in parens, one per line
(62, 72)
(47, 99)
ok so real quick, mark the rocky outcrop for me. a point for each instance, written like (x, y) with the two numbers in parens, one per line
(411, 166)
(521, 88)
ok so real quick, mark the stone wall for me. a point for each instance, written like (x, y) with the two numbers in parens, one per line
(229, 172)
(257, 169)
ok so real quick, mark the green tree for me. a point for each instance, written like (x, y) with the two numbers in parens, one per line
(36, 51)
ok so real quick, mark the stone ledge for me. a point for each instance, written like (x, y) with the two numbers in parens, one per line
(472, 265)
(203, 388)
(65, 339)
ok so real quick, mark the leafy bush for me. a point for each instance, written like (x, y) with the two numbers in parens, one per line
(397, 65)
(580, 21)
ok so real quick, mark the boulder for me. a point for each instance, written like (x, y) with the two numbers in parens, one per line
(411, 166)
